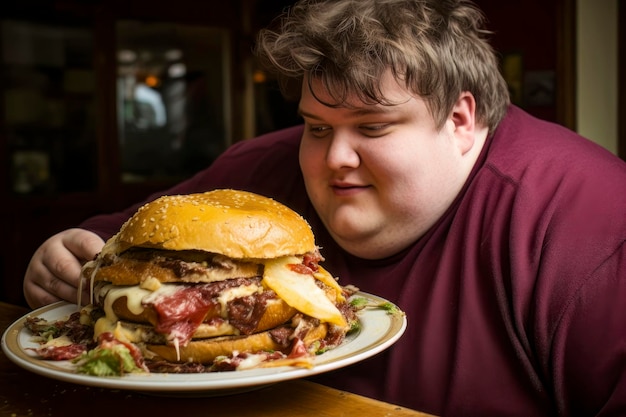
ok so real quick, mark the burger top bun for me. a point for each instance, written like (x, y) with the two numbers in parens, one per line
(237, 224)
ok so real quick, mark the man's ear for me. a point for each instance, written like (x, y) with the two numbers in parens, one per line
(463, 117)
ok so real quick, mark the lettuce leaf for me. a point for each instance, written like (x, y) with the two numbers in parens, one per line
(110, 361)
(360, 303)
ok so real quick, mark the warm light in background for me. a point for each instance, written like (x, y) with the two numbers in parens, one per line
(259, 77)
(152, 81)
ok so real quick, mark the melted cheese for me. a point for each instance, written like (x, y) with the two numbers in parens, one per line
(119, 331)
(85, 315)
(58, 342)
(251, 361)
(325, 277)
(134, 297)
(137, 296)
(96, 265)
(151, 283)
(297, 290)
(136, 335)
(154, 296)
(223, 328)
(300, 290)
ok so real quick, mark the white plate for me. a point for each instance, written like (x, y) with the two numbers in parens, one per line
(379, 330)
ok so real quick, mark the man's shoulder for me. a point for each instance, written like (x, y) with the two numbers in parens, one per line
(529, 150)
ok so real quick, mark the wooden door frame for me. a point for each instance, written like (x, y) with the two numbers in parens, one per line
(566, 63)
(621, 81)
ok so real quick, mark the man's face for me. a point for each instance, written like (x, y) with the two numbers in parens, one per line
(380, 176)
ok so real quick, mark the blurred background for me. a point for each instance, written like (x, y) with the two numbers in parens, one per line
(105, 101)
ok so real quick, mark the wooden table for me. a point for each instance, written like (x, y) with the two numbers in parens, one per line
(23, 393)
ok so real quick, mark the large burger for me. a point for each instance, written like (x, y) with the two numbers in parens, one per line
(227, 279)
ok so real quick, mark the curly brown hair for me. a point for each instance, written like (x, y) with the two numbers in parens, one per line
(438, 48)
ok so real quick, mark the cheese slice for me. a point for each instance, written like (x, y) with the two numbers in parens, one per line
(119, 332)
(325, 277)
(300, 290)
(58, 342)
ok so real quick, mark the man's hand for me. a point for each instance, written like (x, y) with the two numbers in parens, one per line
(53, 273)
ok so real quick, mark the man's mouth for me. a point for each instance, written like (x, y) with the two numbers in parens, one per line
(344, 188)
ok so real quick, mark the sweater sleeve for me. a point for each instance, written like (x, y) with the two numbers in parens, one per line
(589, 345)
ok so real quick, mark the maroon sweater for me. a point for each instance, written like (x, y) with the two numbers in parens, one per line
(515, 299)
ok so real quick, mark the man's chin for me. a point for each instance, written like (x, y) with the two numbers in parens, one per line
(356, 240)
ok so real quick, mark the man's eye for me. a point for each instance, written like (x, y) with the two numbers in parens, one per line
(374, 130)
(319, 131)
(373, 127)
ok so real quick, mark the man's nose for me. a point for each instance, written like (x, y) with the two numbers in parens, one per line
(342, 151)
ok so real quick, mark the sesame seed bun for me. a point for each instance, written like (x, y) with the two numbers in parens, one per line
(233, 223)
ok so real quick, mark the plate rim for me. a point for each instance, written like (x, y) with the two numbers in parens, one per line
(191, 383)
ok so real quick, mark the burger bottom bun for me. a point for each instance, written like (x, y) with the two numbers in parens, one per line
(205, 351)
(276, 312)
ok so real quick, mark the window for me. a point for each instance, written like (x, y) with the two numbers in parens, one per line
(173, 98)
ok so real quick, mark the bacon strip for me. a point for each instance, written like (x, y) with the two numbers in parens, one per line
(181, 313)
